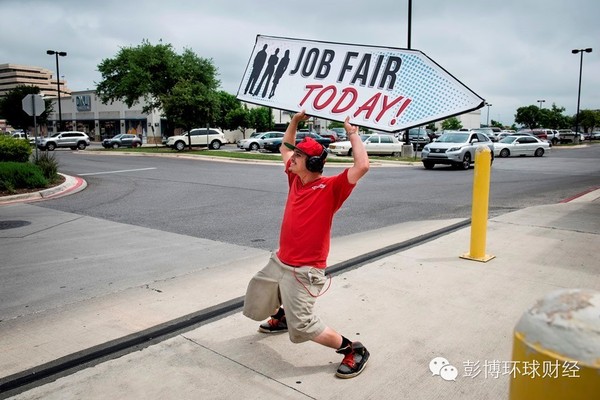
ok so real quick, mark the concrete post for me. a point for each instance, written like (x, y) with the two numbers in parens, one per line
(557, 342)
(479, 211)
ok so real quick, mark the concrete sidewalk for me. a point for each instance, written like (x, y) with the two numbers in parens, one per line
(407, 308)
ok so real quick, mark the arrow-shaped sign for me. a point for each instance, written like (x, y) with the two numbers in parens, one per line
(383, 88)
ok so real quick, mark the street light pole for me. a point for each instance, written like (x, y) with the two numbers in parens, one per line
(62, 54)
(488, 114)
(541, 101)
(575, 51)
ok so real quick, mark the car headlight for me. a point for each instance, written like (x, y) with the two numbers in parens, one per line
(453, 149)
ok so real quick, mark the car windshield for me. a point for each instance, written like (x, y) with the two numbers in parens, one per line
(453, 138)
(364, 137)
(508, 139)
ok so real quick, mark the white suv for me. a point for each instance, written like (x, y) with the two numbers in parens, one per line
(211, 137)
(73, 139)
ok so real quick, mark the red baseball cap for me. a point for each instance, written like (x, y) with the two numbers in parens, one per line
(308, 146)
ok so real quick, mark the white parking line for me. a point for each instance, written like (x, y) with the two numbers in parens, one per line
(116, 172)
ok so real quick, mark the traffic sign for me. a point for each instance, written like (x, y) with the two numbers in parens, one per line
(33, 105)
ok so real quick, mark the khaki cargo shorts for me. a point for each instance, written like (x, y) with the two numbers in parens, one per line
(296, 288)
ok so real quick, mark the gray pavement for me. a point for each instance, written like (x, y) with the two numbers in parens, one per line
(407, 308)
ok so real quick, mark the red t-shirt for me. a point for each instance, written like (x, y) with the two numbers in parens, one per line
(307, 218)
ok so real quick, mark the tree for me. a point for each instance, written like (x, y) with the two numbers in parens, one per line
(588, 119)
(528, 116)
(239, 118)
(452, 123)
(497, 124)
(261, 118)
(227, 103)
(11, 108)
(183, 86)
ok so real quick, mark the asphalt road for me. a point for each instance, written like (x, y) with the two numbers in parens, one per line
(242, 203)
(217, 205)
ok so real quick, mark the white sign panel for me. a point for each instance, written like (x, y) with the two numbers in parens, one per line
(33, 105)
(383, 88)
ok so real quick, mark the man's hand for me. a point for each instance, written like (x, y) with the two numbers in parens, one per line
(359, 153)
(300, 116)
(290, 135)
(350, 129)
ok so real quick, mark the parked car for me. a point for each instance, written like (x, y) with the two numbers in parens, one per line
(418, 137)
(256, 140)
(595, 135)
(341, 133)
(566, 136)
(22, 135)
(374, 144)
(538, 133)
(489, 132)
(521, 146)
(274, 144)
(72, 139)
(455, 148)
(211, 137)
(502, 135)
(329, 134)
(122, 140)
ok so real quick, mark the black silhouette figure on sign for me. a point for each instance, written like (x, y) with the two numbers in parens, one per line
(268, 74)
(281, 67)
(257, 65)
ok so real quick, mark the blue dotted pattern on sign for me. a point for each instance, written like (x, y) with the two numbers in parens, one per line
(431, 90)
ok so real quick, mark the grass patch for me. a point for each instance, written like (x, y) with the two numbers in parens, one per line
(17, 175)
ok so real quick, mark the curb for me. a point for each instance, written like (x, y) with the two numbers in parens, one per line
(71, 185)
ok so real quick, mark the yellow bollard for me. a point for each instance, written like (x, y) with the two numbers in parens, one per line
(556, 350)
(479, 210)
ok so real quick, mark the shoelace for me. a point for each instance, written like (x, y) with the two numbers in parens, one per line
(274, 322)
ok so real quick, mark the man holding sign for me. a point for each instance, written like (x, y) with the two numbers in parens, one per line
(295, 275)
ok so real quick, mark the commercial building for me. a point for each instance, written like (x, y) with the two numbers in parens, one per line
(83, 111)
(13, 75)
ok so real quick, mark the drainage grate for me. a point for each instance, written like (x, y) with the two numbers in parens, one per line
(13, 224)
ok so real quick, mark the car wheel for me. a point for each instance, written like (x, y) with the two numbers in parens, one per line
(350, 153)
(115, 145)
(179, 146)
(254, 147)
(81, 145)
(51, 146)
(215, 145)
(539, 152)
(396, 154)
(428, 164)
(466, 162)
(504, 153)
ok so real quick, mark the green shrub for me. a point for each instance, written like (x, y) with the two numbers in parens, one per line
(11, 149)
(16, 175)
(48, 165)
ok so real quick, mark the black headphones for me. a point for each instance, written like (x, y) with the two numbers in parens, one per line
(316, 163)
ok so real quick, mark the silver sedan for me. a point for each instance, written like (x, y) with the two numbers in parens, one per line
(521, 146)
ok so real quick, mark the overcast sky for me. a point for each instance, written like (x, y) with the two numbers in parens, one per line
(510, 52)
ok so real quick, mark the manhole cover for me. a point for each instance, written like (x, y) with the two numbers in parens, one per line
(13, 224)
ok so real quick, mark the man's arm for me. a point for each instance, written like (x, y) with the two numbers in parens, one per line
(290, 135)
(359, 153)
